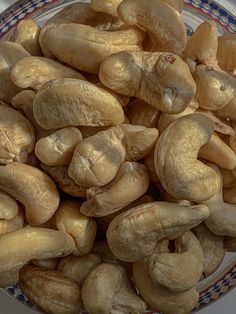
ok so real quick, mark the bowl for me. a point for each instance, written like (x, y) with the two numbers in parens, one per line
(195, 12)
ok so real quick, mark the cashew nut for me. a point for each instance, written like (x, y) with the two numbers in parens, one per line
(17, 136)
(57, 148)
(152, 17)
(9, 278)
(161, 79)
(175, 157)
(117, 296)
(33, 188)
(109, 6)
(228, 178)
(133, 234)
(50, 290)
(72, 102)
(27, 34)
(230, 244)
(13, 224)
(82, 229)
(226, 54)
(8, 206)
(213, 249)
(50, 263)
(77, 268)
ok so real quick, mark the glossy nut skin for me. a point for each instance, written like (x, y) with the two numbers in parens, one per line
(50, 290)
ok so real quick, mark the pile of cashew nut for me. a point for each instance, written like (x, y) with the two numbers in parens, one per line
(117, 158)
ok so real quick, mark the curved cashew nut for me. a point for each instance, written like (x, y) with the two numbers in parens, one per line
(77, 268)
(133, 234)
(102, 201)
(33, 188)
(82, 229)
(17, 135)
(10, 225)
(50, 290)
(161, 79)
(72, 102)
(50, 263)
(8, 206)
(213, 248)
(152, 17)
(32, 243)
(34, 72)
(175, 157)
(226, 54)
(109, 6)
(57, 148)
(117, 292)
(27, 34)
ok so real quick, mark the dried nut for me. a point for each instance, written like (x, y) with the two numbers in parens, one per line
(229, 194)
(50, 263)
(102, 201)
(77, 268)
(230, 244)
(50, 290)
(8, 206)
(9, 278)
(27, 34)
(9, 225)
(161, 79)
(82, 229)
(167, 301)
(228, 178)
(213, 249)
(141, 113)
(132, 235)
(33, 188)
(10, 53)
(228, 112)
(118, 294)
(226, 54)
(72, 102)
(84, 47)
(152, 17)
(181, 174)
(57, 148)
(34, 72)
(166, 269)
(17, 136)
(60, 176)
(32, 243)
(109, 6)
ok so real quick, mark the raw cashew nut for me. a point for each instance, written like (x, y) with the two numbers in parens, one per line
(109, 6)
(17, 136)
(33, 188)
(72, 102)
(82, 229)
(152, 16)
(131, 182)
(132, 235)
(10, 53)
(175, 157)
(13, 224)
(158, 297)
(84, 47)
(27, 34)
(34, 72)
(213, 249)
(226, 54)
(57, 148)
(117, 295)
(228, 178)
(50, 290)
(8, 206)
(32, 243)
(77, 268)
(9, 278)
(161, 79)
(50, 263)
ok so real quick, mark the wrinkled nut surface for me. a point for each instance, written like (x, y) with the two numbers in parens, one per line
(13, 224)
(181, 174)
(33, 72)
(72, 102)
(226, 54)
(33, 188)
(57, 148)
(17, 136)
(152, 16)
(213, 249)
(50, 263)
(27, 34)
(117, 294)
(81, 228)
(166, 269)
(158, 297)
(84, 47)
(131, 182)
(50, 290)
(77, 268)
(161, 79)
(10, 53)
(132, 235)
(8, 206)
(32, 243)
